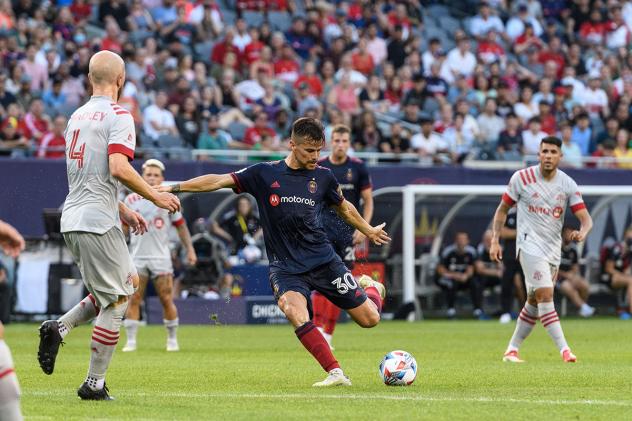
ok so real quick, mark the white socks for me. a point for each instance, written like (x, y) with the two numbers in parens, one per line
(131, 329)
(9, 387)
(172, 328)
(524, 325)
(83, 312)
(551, 323)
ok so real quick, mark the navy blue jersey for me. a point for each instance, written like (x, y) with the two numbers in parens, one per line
(290, 206)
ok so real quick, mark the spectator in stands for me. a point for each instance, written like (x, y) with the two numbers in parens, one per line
(418, 93)
(113, 39)
(489, 50)
(37, 72)
(376, 46)
(622, 151)
(525, 109)
(615, 269)
(569, 279)
(306, 101)
(35, 123)
(594, 98)
(516, 24)
(54, 98)
(456, 271)
(242, 36)
(432, 54)
(224, 47)
(610, 131)
(593, 32)
(255, 134)
(488, 273)
(367, 136)
(398, 141)
(115, 9)
(299, 39)
(458, 140)
(53, 144)
(11, 139)
(460, 60)
(396, 49)
(427, 143)
(271, 103)
(582, 133)
(343, 96)
(6, 97)
(372, 96)
(158, 120)
(240, 228)
(545, 114)
(179, 34)
(489, 123)
(510, 143)
(188, 122)
(485, 21)
(436, 86)
(286, 68)
(532, 137)
(361, 59)
(216, 139)
(311, 77)
(572, 154)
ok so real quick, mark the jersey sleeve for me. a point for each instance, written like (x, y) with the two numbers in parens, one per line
(176, 219)
(333, 193)
(364, 178)
(511, 196)
(122, 135)
(246, 179)
(575, 199)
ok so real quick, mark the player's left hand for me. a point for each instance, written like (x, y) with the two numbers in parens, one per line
(577, 236)
(191, 257)
(135, 221)
(11, 242)
(378, 235)
(358, 237)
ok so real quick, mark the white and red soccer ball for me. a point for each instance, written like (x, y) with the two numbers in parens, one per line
(398, 368)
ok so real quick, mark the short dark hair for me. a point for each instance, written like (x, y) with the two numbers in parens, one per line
(307, 129)
(340, 128)
(552, 140)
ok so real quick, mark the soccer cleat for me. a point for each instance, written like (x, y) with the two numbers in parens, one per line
(335, 378)
(172, 345)
(512, 357)
(50, 339)
(88, 394)
(568, 356)
(365, 282)
(129, 347)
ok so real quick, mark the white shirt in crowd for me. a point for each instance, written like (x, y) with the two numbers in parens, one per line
(457, 63)
(163, 117)
(480, 26)
(532, 141)
(430, 145)
(515, 27)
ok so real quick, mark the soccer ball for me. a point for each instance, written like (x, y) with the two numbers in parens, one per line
(398, 368)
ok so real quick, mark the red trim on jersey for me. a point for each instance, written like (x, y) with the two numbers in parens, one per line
(524, 180)
(6, 372)
(239, 189)
(535, 180)
(508, 200)
(118, 148)
(368, 186)
(178, 223)
(577, 207)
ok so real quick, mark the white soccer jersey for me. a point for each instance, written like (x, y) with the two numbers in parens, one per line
(541, 207)
(96, 130)
(154, 244)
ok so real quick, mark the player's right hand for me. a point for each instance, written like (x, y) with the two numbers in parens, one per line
(11, 242)
(378, 235)
(495, 252)
(167, 201)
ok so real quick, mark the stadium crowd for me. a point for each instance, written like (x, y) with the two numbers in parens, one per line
(407, 75)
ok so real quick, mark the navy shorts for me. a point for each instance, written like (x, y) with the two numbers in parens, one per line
(332, 279)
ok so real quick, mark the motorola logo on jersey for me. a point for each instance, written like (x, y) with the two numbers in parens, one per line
(296, 199)
(556, 212)
(274, 200)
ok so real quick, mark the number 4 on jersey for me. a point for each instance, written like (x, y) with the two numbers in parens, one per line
(76, 154)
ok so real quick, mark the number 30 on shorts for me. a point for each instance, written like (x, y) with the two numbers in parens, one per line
(346, 283)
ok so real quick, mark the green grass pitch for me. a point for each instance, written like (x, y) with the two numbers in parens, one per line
(262, 372)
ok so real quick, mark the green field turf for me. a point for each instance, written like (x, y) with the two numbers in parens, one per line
(262, 372)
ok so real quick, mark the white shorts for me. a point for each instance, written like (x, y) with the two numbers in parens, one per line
(105, 264)
(151, 268)
(538, 273)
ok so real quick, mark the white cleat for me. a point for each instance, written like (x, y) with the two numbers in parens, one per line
(512, 357)
(335, 378)
(129, 347)
(172, 346)
(366, 281)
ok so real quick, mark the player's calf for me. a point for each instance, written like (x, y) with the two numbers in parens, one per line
(9, 386)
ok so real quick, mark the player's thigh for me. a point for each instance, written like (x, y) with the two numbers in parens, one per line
(287, 289)
(105, 264)
(538, 273)
(338, 284)
(164, 285)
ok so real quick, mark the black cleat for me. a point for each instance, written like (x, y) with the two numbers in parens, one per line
(87, 394)
(50, 339)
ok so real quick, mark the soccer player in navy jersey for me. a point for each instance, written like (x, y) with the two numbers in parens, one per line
(291, 195)
(355, 183)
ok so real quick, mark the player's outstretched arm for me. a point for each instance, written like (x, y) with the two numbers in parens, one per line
(121, 169)
(185, 239)
(500, 217)
(11, 241)
(350, 215)
(204, 183)
(586, 225)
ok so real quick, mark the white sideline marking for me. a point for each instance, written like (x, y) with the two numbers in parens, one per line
(481, 399)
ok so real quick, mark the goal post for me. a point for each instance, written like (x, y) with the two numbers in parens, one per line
(602, 202)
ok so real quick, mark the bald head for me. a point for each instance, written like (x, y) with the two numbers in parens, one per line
(106, 68)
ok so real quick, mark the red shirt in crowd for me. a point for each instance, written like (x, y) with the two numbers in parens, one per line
(363, 63)
(221, 49)
(112, 45)
(558, 58)
(286, 66)
(315, 85)
(593, 32)
(255, 134)
(80, 11)
(54, 142)
(490, 52)
(252, 52)
(33, 127)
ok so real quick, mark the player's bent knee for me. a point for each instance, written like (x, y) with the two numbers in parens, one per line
(370, 320)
